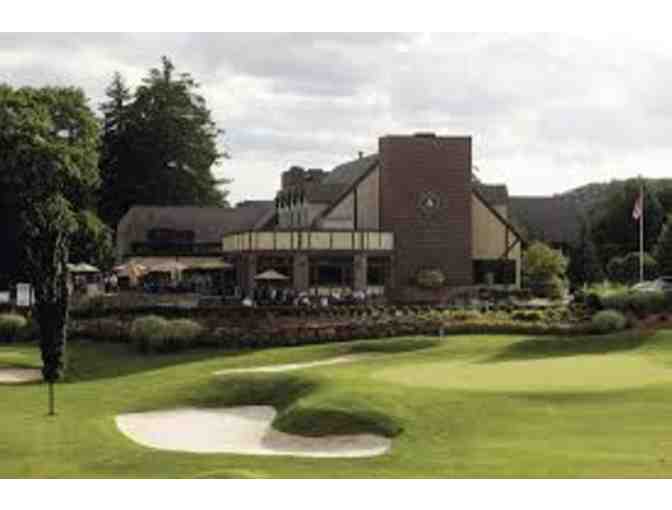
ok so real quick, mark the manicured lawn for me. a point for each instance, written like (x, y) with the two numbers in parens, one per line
(467, 406)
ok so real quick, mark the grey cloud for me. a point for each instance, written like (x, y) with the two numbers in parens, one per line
(537, 104)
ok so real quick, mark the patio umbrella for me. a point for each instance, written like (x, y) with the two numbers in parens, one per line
(83, 268)
(271, 275)
(168, 267)
(131, 269)
(209, 265)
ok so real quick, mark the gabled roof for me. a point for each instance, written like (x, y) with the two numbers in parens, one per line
(208, 223)
(347, 176)
(477, 193)
(554, 219)
(322, 193)
(347, 173)
(495, 194)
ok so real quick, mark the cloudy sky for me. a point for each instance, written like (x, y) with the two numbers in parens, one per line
(546, 112)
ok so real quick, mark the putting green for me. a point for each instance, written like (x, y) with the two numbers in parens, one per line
(585, 372)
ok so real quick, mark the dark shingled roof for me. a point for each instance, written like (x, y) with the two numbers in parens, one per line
(322, 193)
(208, 223)
(336, 182)
(495, 194)
(554, 219)
(349, 172)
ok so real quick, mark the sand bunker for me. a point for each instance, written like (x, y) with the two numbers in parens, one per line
(294, 366)
(19, 375)
(239, 430)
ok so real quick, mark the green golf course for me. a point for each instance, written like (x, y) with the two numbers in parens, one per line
(463, 406)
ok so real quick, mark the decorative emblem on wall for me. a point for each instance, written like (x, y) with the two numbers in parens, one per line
(430, 278)
(429, 202)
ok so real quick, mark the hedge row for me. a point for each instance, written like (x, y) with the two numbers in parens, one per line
(640, 304)
(157, 334)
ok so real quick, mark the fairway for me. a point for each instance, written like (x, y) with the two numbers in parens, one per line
(462, 406)
(576, 373)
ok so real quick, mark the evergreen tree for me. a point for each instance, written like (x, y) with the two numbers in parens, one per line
(663, 250)
(160, 148)
(113, 147)
(585, 265)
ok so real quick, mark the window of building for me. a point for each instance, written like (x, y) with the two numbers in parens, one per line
(331, 272)
(377, 271)
(495, 272)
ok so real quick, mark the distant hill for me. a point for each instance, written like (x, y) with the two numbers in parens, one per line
(557, 218)
(589, 196)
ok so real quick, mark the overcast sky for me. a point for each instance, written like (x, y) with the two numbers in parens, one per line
(546, 112)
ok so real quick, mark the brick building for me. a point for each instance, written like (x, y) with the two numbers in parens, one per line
(377, 223)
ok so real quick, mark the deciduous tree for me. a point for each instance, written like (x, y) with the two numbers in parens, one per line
(663, 250)
(48, 142)
(615, 232)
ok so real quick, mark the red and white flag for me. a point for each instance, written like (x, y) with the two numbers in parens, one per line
(637, 210)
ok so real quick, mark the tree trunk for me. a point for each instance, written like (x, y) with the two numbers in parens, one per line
(52, 407)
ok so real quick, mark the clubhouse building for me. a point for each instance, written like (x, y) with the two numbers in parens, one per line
(409, 222)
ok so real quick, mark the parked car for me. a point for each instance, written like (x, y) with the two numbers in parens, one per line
(662, 284)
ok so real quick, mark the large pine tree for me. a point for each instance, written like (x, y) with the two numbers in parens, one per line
(113, 147)
(160, 146)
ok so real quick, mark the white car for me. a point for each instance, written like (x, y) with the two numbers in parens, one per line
(662, 284)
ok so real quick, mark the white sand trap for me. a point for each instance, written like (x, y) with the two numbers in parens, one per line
(239, 430)
(19, 375)
(294, 366)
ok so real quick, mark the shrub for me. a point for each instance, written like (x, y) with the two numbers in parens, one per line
(552, 287)
(626, 269)
(647, 303)
(180, 333)
(641, 303)
(606, 288)
(10, 325)
(608, 321)
(528, 316)
(463, 315)
(593, 301)
(149, 332)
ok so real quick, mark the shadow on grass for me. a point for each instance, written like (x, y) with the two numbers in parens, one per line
(556, 346)
(391, 346)
(88, 361)
(284, 393)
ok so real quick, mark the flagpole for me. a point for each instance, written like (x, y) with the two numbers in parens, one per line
(641, 232)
